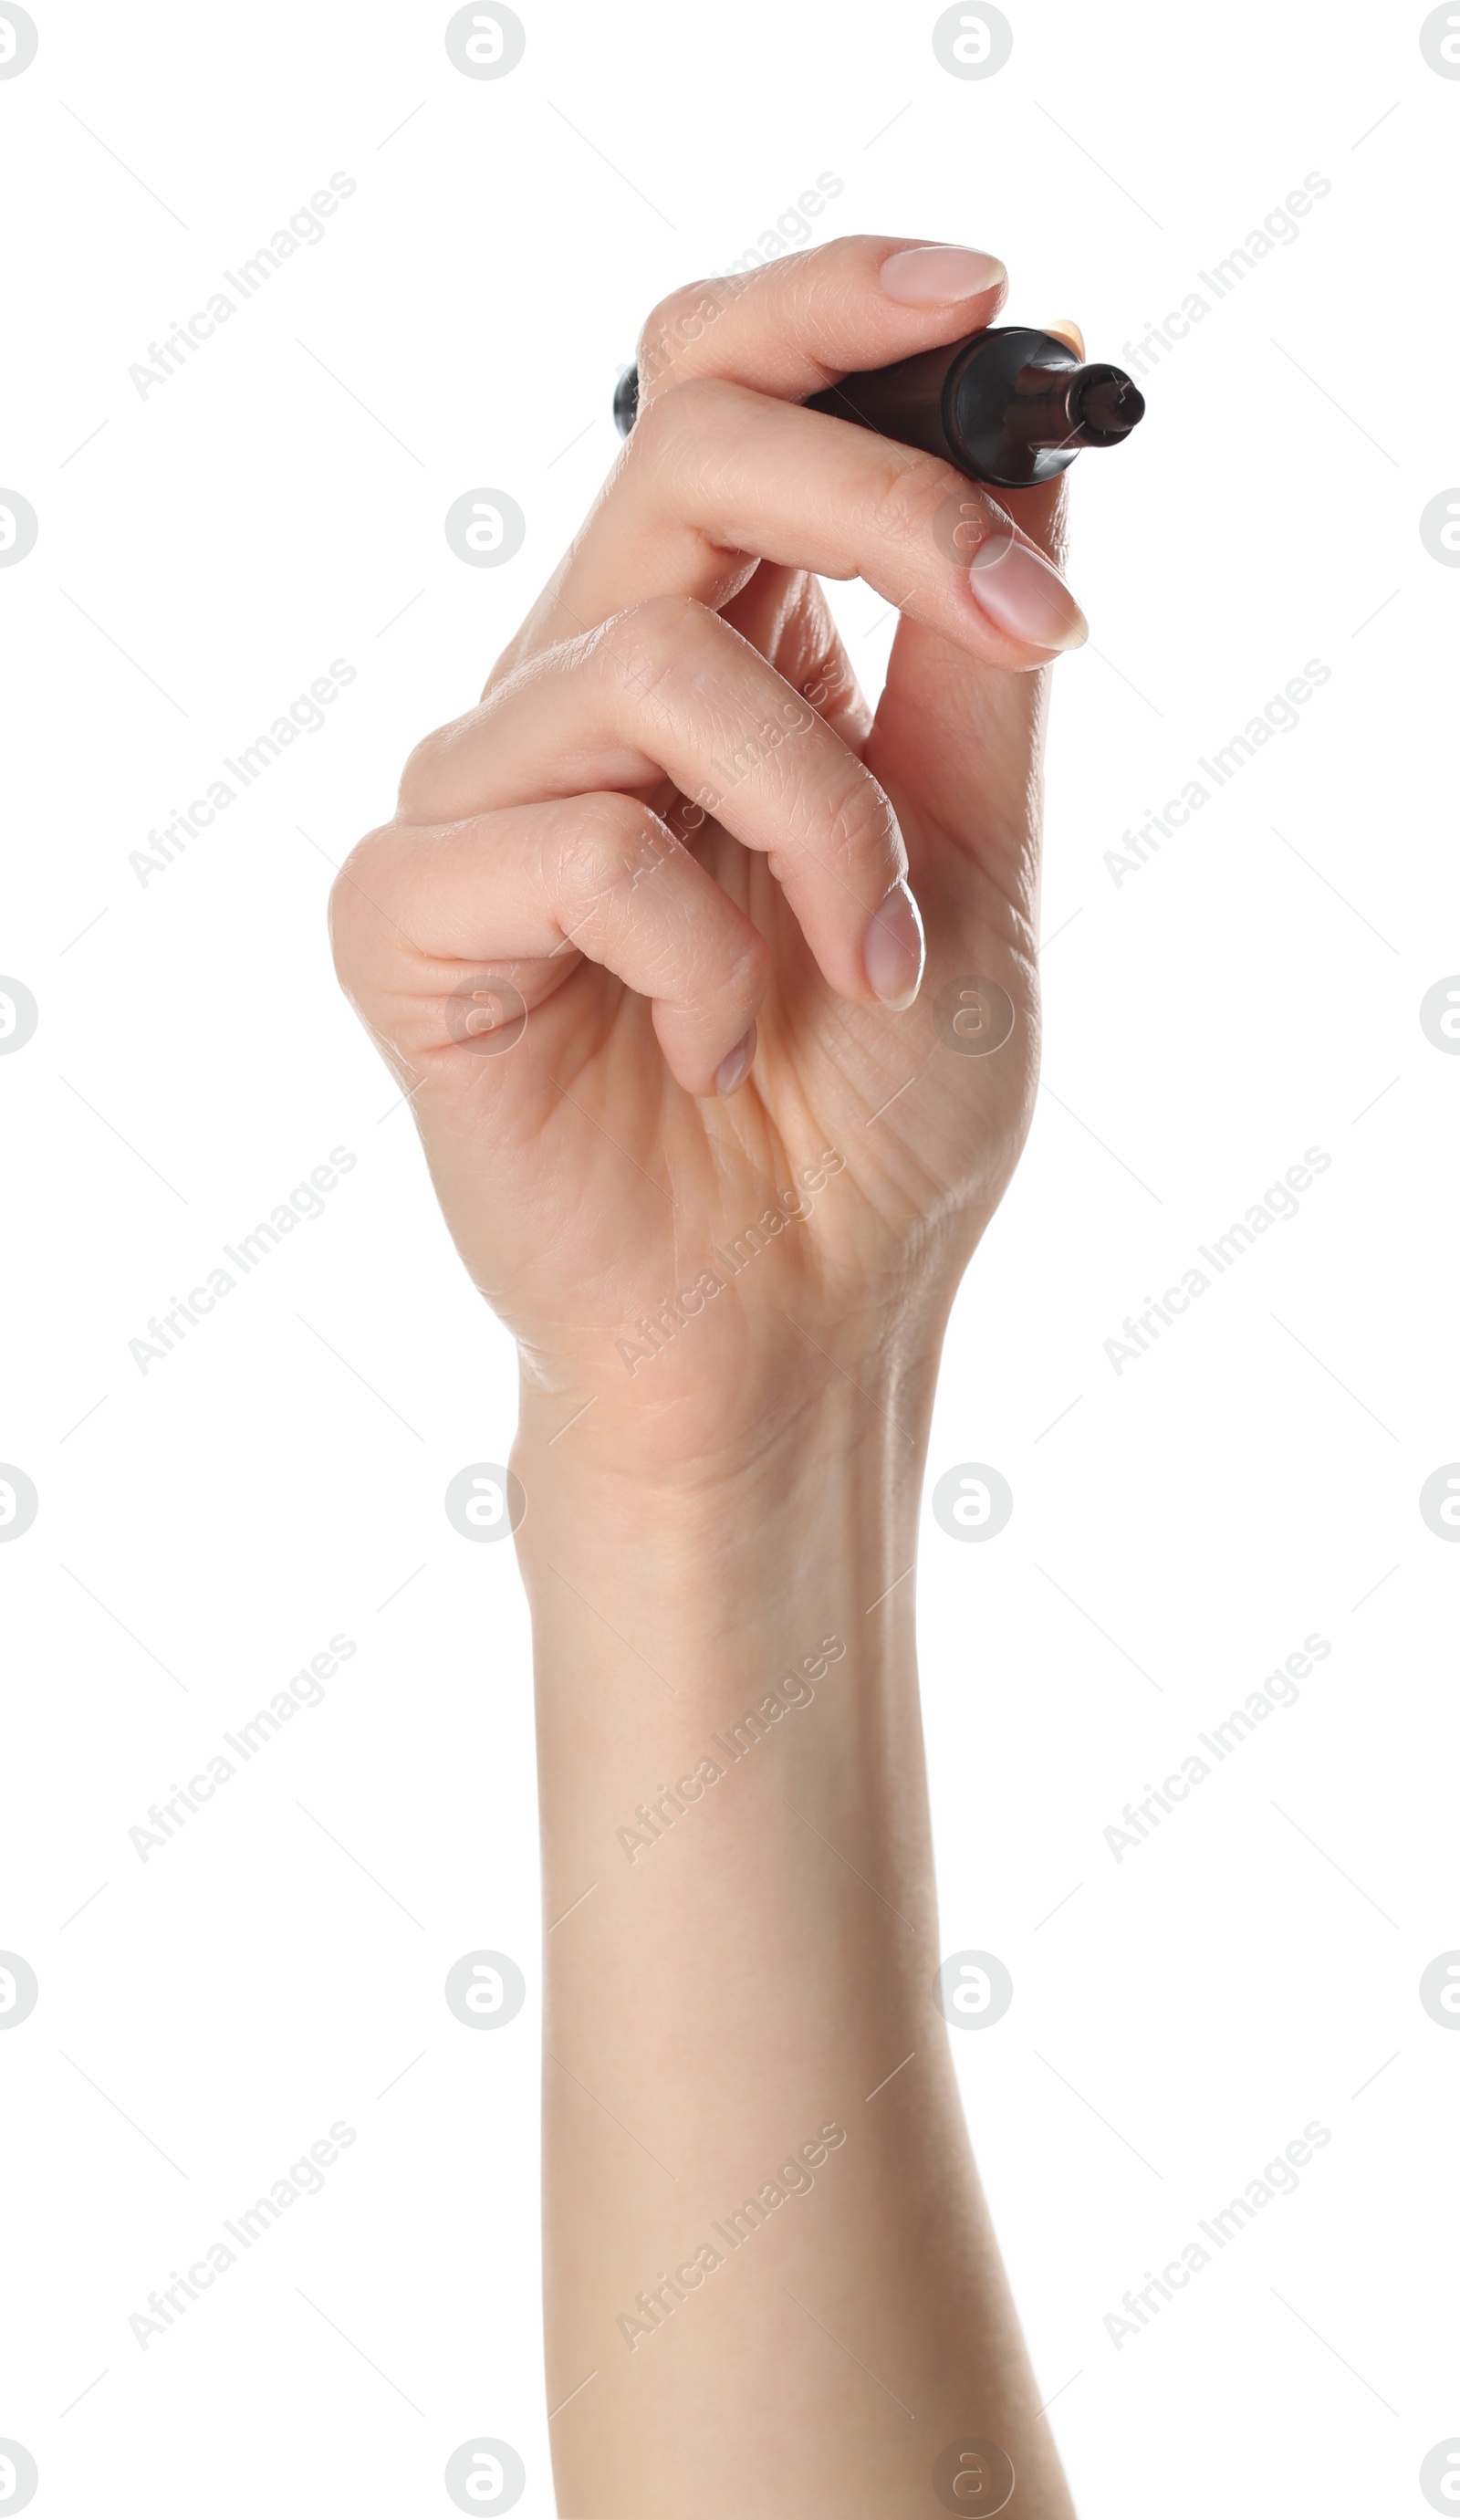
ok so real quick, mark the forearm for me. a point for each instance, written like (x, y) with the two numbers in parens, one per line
(638, 1046)
(740, 1952)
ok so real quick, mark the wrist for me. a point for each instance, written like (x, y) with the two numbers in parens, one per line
(736, 1423)
(707, 1486)
(733, 1563)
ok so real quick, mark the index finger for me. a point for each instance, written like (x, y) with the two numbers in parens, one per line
(785, 330)
(723, 470)
(793, 326)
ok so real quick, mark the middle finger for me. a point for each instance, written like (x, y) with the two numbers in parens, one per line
(716, 477)
(668, 688)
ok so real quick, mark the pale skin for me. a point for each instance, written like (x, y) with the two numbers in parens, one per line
(718, 1005)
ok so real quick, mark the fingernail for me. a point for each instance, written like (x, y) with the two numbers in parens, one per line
(938, 275)
(735, 1066)
(892, 950)
(1015, 587)
(1065, 328)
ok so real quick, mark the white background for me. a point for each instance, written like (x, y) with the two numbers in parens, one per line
(203, 555)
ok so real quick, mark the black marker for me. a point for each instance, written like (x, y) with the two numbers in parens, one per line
(1008, 405)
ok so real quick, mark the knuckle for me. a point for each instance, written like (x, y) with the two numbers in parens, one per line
(612, 840)
(826, 680)
(891, 494)
(862, 823)
(673, 326)
(644, 641)
(356, 881)
(675, 412)
(423, 763)
(668, 616)
(904, 494)
(750, 970)
(354, 868)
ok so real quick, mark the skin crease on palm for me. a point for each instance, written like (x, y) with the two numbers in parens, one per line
(713, 1021)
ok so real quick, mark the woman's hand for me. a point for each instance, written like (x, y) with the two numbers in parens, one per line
(722, 1182)
(674, 835)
